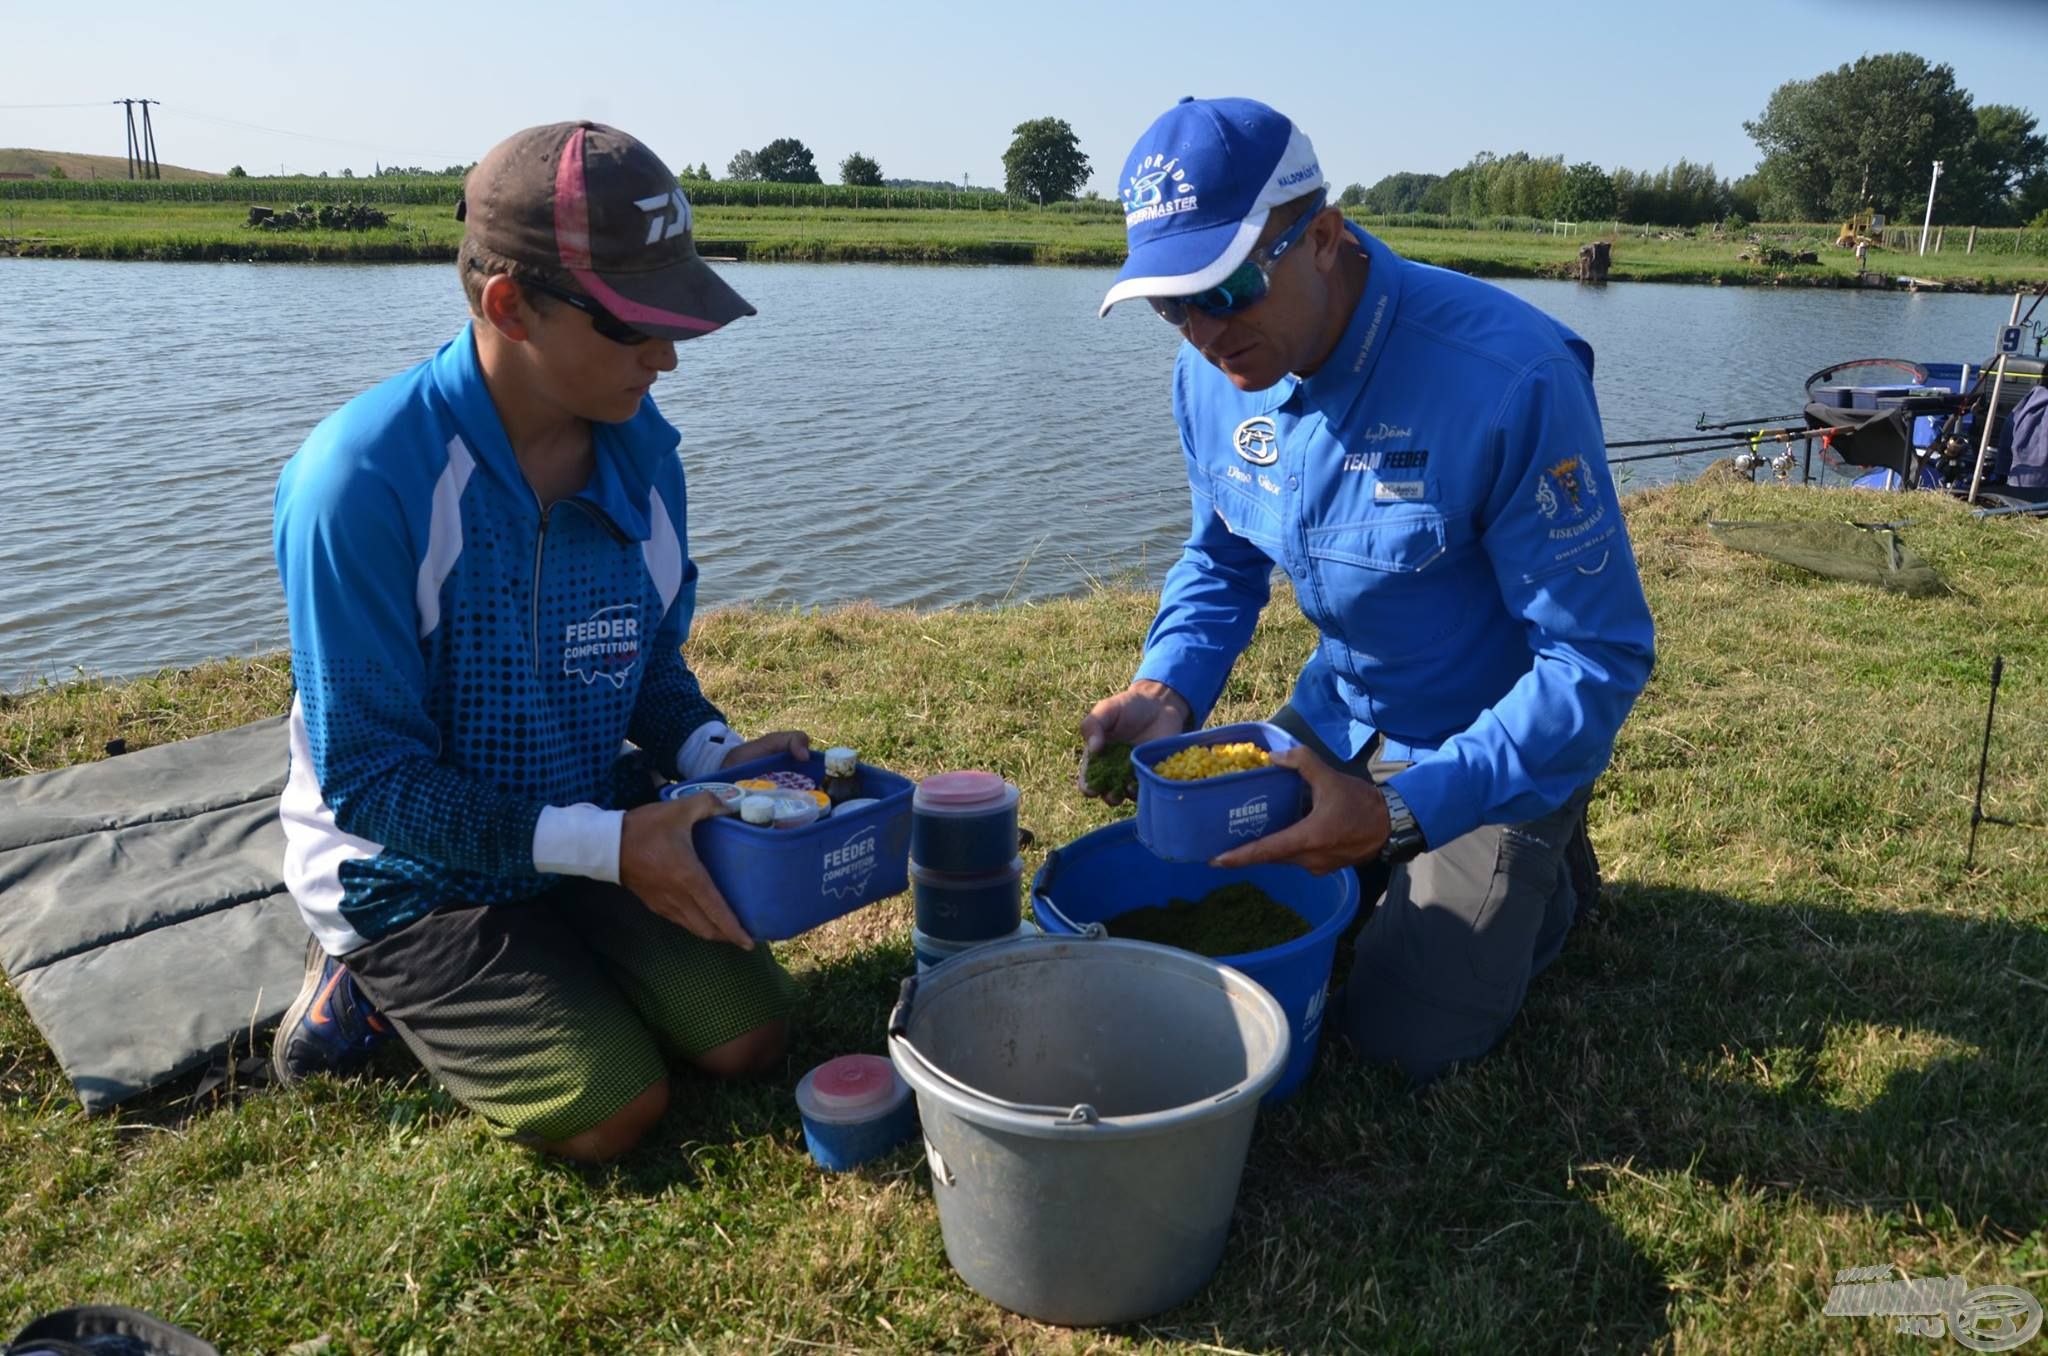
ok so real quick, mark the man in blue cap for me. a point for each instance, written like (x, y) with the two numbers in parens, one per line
(1421, 454)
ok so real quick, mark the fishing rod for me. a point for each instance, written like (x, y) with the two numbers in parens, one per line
(1704, 437)
(1780, 436)
(1701, 422)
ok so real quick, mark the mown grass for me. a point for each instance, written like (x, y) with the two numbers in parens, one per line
(1799, 1036)
(101, 229)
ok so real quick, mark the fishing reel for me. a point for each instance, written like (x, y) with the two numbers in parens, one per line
(1746, 463)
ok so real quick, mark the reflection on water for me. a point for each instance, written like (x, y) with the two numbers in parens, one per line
(920, 436)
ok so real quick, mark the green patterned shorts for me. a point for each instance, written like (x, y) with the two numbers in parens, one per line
(547, 1017)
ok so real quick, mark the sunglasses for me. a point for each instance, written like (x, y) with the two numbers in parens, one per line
(1247, 283)
(601, 320)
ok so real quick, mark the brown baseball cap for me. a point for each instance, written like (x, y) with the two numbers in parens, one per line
(595, 203)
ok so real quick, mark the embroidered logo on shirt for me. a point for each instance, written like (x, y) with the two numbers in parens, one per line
(607, 646)
(1564, 486)
(1257, 441)
(1238, 474)
(1267, 484)
(1390, 459)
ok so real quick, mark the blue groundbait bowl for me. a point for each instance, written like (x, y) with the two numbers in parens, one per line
(1108, 872)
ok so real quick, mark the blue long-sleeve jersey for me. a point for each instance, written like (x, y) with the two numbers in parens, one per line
(1438, 494)
(469, 666)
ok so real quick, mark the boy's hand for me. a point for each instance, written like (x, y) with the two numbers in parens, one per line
(658, 863)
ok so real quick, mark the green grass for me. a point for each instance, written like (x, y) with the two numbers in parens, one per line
(1799, 1036)
(105, 229)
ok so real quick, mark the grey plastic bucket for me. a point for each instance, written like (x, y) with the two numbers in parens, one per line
(1087, 1104)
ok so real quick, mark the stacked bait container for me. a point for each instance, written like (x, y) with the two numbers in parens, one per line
(965, 874)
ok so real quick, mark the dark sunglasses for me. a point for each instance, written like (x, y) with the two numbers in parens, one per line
(1247, 283)
(601, 320)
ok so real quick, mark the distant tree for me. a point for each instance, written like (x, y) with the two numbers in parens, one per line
(704, 170)
(860, 171)
(1402, 192)
(347, 173)
(1586, 194)
(323, 174)
(237, 172)
(786, 160)
(1352, 196)
(57, 172)
(1044, 162)
(2040, 222)
(1863, 135)
(743, 166)
(1988, 183)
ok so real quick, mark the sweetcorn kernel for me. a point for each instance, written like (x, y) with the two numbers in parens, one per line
(1211, 760)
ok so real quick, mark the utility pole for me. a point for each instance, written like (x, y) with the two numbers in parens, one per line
(142, 161)
(156, 169)
(1930, 206)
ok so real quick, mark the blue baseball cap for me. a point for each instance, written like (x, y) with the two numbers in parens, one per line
(1197, 190)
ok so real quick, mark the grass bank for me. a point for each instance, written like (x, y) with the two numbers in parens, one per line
(1799, 1037)
(171, 230)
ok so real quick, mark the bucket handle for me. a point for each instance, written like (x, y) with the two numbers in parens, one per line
(1081, 1113)
(1041, 902)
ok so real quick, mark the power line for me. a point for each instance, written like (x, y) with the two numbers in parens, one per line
(184, 111)
(13, 107)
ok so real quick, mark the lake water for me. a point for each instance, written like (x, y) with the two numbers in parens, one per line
(919, 436)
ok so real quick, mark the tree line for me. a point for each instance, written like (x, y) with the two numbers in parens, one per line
(1043, 164)
(1859, 139)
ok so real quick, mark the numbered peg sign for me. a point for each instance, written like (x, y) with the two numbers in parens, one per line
(2009, 339)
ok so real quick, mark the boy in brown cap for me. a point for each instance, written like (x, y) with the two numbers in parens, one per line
(487, 573)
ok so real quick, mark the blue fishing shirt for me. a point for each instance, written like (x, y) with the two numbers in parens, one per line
(468, 665)
(1438, 495)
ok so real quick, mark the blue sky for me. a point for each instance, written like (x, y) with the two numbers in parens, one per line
(933, 90)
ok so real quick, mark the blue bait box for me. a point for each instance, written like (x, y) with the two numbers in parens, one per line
(1193, 821)
(781, 882)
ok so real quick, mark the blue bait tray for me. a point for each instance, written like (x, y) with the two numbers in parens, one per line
(1193, 821)
(782, 882)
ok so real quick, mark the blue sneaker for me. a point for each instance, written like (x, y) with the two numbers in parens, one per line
(331, 1027)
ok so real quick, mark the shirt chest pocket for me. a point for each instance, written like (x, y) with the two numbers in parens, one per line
(1389, 586)
(1245, 516)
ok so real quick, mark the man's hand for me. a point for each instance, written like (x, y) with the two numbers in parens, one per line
(794, 742)
(658, 863)
(1143, 711)
(1346, 823)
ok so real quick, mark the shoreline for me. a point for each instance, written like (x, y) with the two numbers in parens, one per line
(1045, 254)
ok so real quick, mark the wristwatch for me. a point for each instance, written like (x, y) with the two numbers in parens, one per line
(1404, 839)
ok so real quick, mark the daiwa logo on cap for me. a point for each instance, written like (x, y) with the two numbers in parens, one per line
(1149, 197)
(668, 215)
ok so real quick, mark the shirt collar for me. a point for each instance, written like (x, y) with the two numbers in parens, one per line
(618, 487)
(1348, 369)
